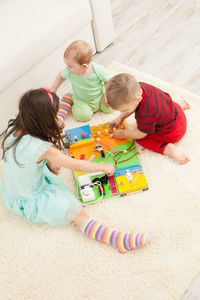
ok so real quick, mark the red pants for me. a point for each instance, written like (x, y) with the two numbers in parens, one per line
(157, 141)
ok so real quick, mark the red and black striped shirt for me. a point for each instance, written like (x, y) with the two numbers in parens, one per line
(156, 111)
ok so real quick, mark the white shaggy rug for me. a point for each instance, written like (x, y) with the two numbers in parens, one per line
(49, 263)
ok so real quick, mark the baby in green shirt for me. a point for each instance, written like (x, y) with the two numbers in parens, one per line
(87, 79)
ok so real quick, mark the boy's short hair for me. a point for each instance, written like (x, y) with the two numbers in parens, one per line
(121, 89)
(80, 51)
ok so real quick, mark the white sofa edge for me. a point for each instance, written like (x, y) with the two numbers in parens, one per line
(102, 23)
(43, 73)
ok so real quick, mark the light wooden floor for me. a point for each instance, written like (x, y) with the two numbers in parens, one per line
(161, 38)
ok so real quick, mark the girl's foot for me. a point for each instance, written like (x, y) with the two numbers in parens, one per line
(184, 104)
(123, 242)
(172, 151)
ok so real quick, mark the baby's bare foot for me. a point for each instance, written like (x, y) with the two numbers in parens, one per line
(172, 151)
(184, 104)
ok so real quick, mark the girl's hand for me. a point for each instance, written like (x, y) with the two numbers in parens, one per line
(119, 133)
(119, 120)
(109, 169)
(56, 159)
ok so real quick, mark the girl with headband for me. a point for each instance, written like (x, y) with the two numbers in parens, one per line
(32, 157)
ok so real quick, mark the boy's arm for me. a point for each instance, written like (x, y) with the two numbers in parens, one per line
(57, 83)
(119, 120)
(129, 134)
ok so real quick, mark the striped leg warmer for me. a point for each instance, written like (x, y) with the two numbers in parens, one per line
(65, 106)
(121, 241)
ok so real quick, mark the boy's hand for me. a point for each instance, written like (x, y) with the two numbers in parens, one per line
(109, 169)
(119, 120)
(119, 133)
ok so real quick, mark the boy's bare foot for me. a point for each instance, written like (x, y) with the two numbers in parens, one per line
(172, 151)
(184, 104)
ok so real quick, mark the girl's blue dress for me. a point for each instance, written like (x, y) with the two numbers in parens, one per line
(30, 190)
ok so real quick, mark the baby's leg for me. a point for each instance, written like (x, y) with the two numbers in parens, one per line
(81, 111)
(97, 231)
(104, 108)
(65, 106)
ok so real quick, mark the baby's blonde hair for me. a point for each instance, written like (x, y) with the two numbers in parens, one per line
(80, 51)
(121, 89)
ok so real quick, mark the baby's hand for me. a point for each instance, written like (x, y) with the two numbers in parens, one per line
(109, 169)
(53, 90)
(105, 101)
(119, 133)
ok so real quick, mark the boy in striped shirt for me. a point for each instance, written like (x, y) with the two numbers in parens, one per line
(161, 122)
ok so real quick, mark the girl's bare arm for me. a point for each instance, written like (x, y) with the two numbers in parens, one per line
(59, 159)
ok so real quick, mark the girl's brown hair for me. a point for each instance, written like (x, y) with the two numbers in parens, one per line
(38, 117)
